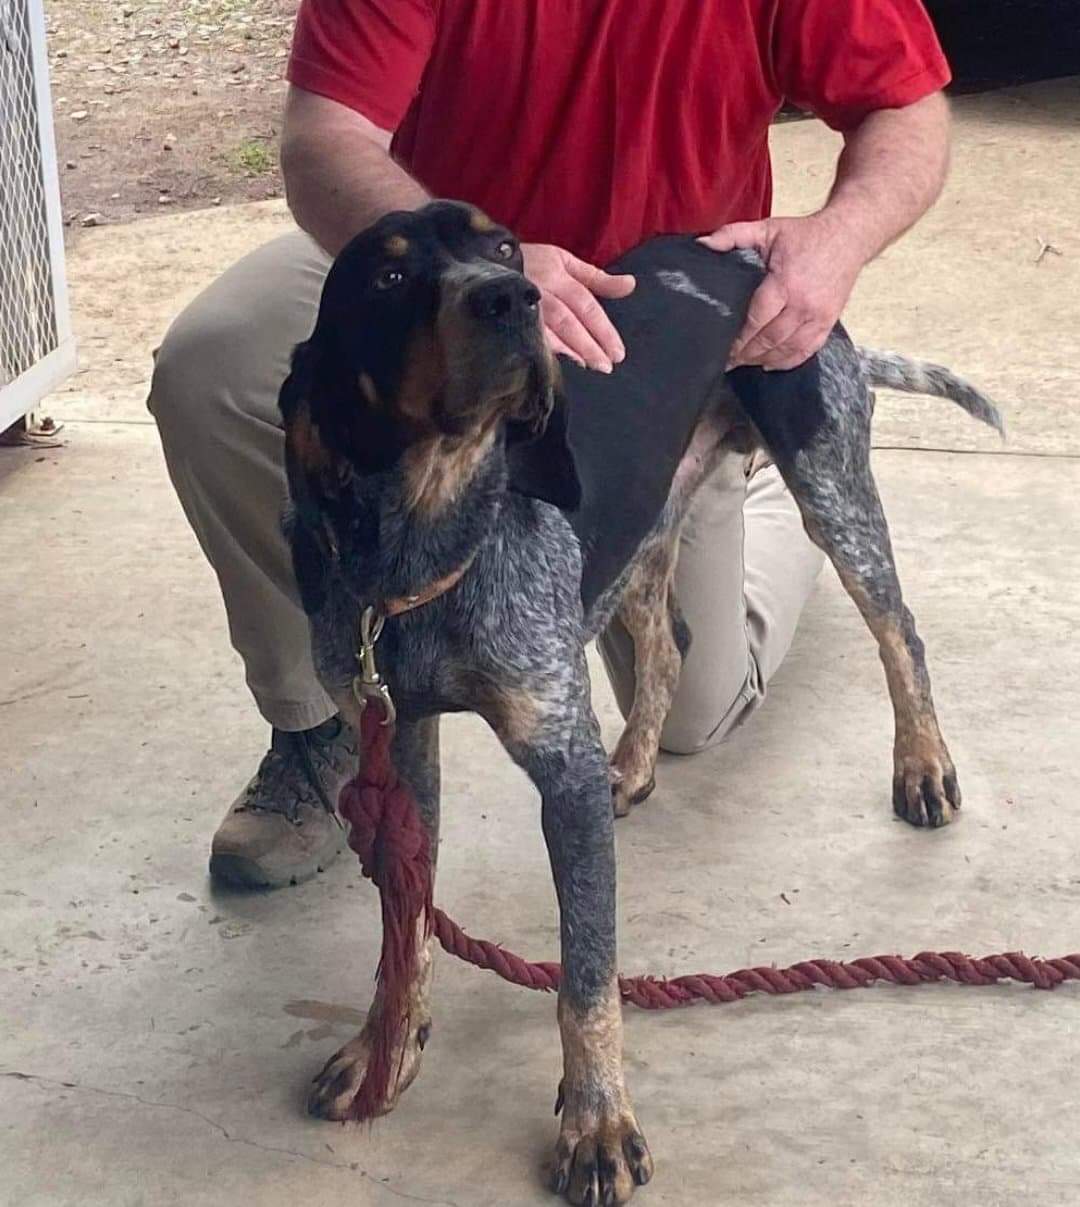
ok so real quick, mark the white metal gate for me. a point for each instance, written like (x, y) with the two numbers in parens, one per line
(37, 350)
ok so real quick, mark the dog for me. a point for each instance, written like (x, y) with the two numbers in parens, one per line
(498, 507)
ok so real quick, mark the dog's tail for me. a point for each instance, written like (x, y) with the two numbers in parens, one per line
(897, 372)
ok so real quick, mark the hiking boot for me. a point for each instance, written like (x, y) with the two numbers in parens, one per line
(283, 827)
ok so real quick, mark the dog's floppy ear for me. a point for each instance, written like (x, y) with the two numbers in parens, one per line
(296, 388)
(312, 471)
(542, 464)
(310, 466)
(310, 560)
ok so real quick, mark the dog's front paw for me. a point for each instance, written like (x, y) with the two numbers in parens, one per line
(600, 1156)
(332, 1092)
(925, 790)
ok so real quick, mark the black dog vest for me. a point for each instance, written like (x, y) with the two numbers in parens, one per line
(628, 430)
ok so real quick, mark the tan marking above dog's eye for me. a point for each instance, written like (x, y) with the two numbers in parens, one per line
(505, 250)
(480, 222)
(397, 245)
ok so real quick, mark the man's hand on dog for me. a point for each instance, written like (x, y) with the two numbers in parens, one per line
(574, 321)
(813, 265)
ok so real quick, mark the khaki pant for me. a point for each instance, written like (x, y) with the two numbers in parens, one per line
(745, 567)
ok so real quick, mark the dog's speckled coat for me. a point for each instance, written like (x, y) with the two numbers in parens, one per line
(566, 513)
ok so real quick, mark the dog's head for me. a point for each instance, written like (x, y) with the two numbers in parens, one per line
(427, 327)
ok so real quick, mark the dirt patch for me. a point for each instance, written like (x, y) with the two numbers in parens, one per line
(165, 104)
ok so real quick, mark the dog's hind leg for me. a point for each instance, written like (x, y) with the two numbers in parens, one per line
(925, 790)
(415, 753)
(650, 616)
(816, 422)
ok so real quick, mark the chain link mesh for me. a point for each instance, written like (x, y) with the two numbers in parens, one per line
(28, 327)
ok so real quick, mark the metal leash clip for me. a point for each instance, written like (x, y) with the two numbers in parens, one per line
(368, 684)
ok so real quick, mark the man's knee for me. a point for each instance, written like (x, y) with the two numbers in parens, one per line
(187, 373)
(694, 725)
(227, 352)
(688, 736)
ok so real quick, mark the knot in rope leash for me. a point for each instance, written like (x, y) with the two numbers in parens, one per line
(388, 834)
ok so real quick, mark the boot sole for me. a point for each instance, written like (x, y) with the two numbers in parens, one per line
(236, 871)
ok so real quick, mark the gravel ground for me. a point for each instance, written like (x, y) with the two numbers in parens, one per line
(163, 105)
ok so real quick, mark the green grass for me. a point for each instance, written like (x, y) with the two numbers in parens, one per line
(253, 157)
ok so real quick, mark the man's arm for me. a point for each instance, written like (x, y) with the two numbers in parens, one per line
(890, 172)
(338, 171)
(340, 177)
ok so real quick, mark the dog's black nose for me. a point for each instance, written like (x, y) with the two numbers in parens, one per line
(508, 298)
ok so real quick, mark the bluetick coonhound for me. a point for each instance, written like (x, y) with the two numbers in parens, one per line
(438, 456)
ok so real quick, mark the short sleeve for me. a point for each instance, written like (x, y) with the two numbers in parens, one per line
(842, 59)
(366, 54)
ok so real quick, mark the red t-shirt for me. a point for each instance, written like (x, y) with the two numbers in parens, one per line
(594, 124)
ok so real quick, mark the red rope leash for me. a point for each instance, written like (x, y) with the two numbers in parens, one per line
(388, 835)
(652, 993)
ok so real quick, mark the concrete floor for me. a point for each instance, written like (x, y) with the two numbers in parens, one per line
(158, 1036)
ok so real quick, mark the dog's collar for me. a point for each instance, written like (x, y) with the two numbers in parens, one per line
(368, 685)
(400, 604)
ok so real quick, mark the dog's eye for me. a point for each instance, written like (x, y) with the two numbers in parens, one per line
(389, 278)
(505, 250)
